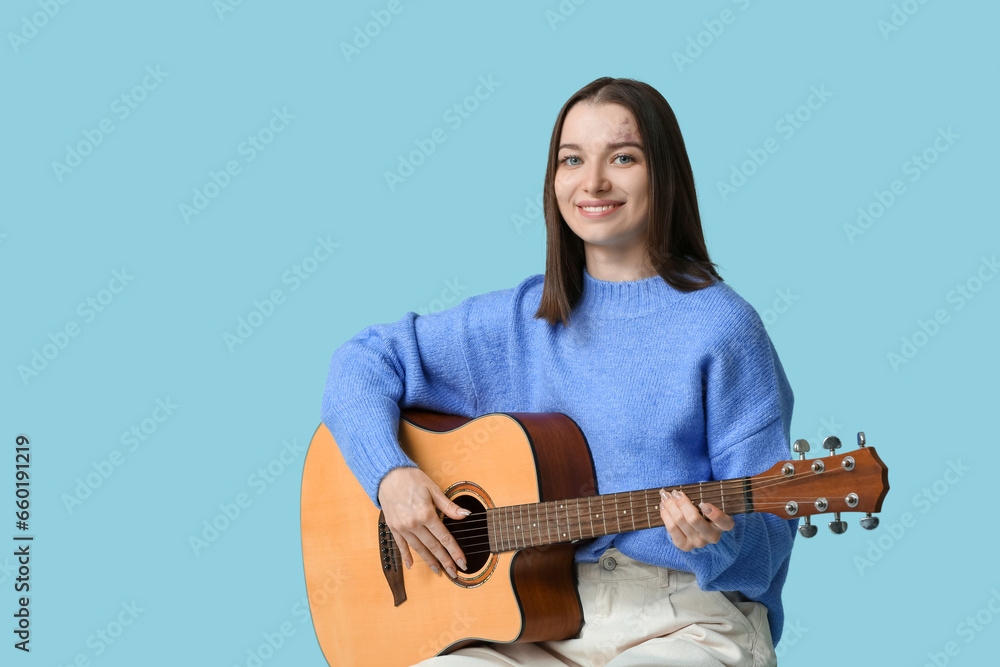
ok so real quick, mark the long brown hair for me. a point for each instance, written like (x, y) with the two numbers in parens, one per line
(675, 242)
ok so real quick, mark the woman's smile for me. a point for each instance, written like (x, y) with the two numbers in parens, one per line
(599, 208)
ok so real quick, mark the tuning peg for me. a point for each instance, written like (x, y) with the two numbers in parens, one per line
(837, 526)
(807, 529)
(869, 522)
(832, 443)
(861, 438)
(800, 447)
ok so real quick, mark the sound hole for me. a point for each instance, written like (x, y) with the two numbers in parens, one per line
(471, 533)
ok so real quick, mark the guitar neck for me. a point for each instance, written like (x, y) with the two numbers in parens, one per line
(537, 524)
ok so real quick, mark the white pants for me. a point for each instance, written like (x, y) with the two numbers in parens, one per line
(637, 614)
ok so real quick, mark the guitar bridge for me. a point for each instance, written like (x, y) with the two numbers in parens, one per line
(392, 562)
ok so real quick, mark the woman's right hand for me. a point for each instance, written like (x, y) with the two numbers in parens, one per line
(409, 499)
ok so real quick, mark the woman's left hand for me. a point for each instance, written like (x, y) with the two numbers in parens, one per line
(686, 526)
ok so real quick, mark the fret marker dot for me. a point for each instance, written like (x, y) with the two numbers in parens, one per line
(564, 534)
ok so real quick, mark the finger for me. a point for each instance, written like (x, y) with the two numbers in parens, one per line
(722, 520)
(682, 510)
(404, 549)
(671, 520)
(424, 551)
(439, 530)
(447, 506)
(439, 551)
(706, 532)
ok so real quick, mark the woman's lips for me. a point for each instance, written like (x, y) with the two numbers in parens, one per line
(598, 210)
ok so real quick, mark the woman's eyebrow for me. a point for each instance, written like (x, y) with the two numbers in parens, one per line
(611, 147)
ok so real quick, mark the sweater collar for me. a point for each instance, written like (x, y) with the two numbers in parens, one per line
(625, 298)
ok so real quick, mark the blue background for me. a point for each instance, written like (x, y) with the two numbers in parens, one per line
(836, 304)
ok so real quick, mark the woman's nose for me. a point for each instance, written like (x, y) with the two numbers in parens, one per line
(595, 180)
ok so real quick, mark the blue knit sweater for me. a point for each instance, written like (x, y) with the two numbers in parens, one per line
(669, 388)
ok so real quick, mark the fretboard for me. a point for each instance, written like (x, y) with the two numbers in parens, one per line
(536, 524)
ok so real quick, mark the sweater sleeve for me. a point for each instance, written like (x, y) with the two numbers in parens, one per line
(418, 361)
(748, 410)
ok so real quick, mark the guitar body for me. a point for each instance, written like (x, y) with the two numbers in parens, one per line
(495, 460)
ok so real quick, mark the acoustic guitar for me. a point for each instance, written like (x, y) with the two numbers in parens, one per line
(529, 483)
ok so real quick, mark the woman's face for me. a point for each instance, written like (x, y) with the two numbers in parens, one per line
(601, 184)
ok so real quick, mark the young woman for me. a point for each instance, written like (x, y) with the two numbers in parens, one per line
(631, 333)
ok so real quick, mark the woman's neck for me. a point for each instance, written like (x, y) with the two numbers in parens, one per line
(614, 267)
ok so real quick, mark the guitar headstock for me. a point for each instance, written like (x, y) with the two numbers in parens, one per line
(855, 481)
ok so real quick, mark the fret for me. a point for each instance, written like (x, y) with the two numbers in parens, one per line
(494, 520)
(515, 513)
(649, 517)
(579, 519)
(563, 534)
(723, 503)
(548, 525)
(569, 523)
(590, 516)
(631, 510)
(701, 493)
(604, 516)
(499, 521)
(525, 535)
(617, 519)
(506, 528)
(511, 535)
(500, 541)
(534, 524)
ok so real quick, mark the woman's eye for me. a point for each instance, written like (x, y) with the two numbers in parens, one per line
(568, 160)
(627, 157)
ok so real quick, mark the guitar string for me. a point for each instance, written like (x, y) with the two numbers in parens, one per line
(514, 540)
(515, 546)
(711, 496)
(476, 545)
(478, 551)
(583, 519)
(718, 490)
